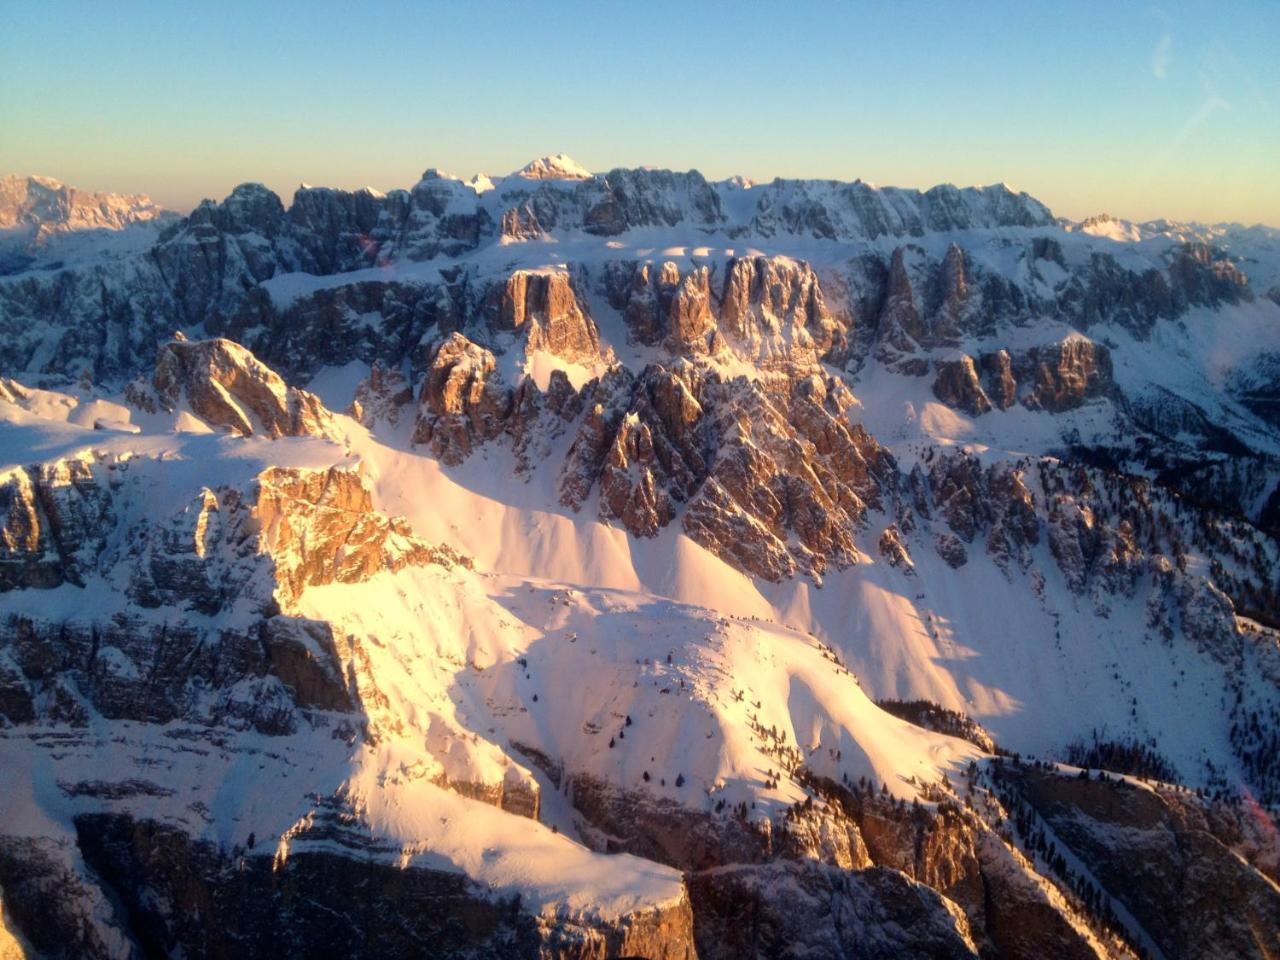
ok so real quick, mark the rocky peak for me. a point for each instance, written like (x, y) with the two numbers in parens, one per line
(769, 310)
(901, 326)
(661, 305)
(320, 527)
(958, 385)
(627, 199)
(1066, 374)
(543, 308)
(228, 388)
(337, 228)
(1201, 274)
(463, 402)
(249, 209)
(775, 481)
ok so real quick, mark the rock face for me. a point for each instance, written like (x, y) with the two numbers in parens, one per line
(744, 911)
(855, 872)
(662, 306)
(314, 527)
(958, 386)
(381, 397)
(774, 481)
(1057, 378)
(1067, 374)
(463, 401)
(252, 550)
(544, 308)
(320, 527)
(203, 902)
(770, 310)
(1171, 853)
(228, 388)
(53, 519)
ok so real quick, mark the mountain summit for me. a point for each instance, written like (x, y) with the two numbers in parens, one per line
(45, 204)
(561, 166)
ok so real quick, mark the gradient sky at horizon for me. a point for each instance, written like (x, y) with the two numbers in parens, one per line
(1141, 111)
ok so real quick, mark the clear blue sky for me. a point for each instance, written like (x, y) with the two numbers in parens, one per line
(1138, 110)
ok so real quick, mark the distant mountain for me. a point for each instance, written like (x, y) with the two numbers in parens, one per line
(629, 564)
(42, 219)
(558, 167)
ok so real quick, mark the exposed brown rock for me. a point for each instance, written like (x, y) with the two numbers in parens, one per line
(544, 308)
(901, 326)
(229, 388)
(53, 521)
(319, 526)
(774, 311)
(464, 401)
(895, 551)
(951, 549)
(997, 375)
(1056, 377)
(1066, 374)
(957, 385)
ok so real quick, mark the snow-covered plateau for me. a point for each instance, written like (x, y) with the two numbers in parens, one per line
(597, 565)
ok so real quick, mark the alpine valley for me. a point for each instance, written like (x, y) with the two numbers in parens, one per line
(595, 565)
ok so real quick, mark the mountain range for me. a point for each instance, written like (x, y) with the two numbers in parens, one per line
(630, 564)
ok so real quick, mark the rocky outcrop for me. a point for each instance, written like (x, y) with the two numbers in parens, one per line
(773, 310)
(1057, 377)
(320, 526)
(1156, 853)
(54, 519)
(544, 309)
(997, 374)
(844, 870)
(957, 385)
(381, 397)
(179, 894)
(661, 305)
(175, 893)
(768, 310)
(252, 551)
(310, 526)
(894, 551)
(1066, 374)
(874, 914)
(270, 676)
(1199, 274)
(464, 401)
(901, 328)
(228, 388)
(774, 481)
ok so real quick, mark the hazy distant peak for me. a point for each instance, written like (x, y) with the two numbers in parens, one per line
(46, 204)
(561, 166)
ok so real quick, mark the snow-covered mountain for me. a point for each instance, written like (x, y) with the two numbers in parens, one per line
(47, 223)
(633, 565)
